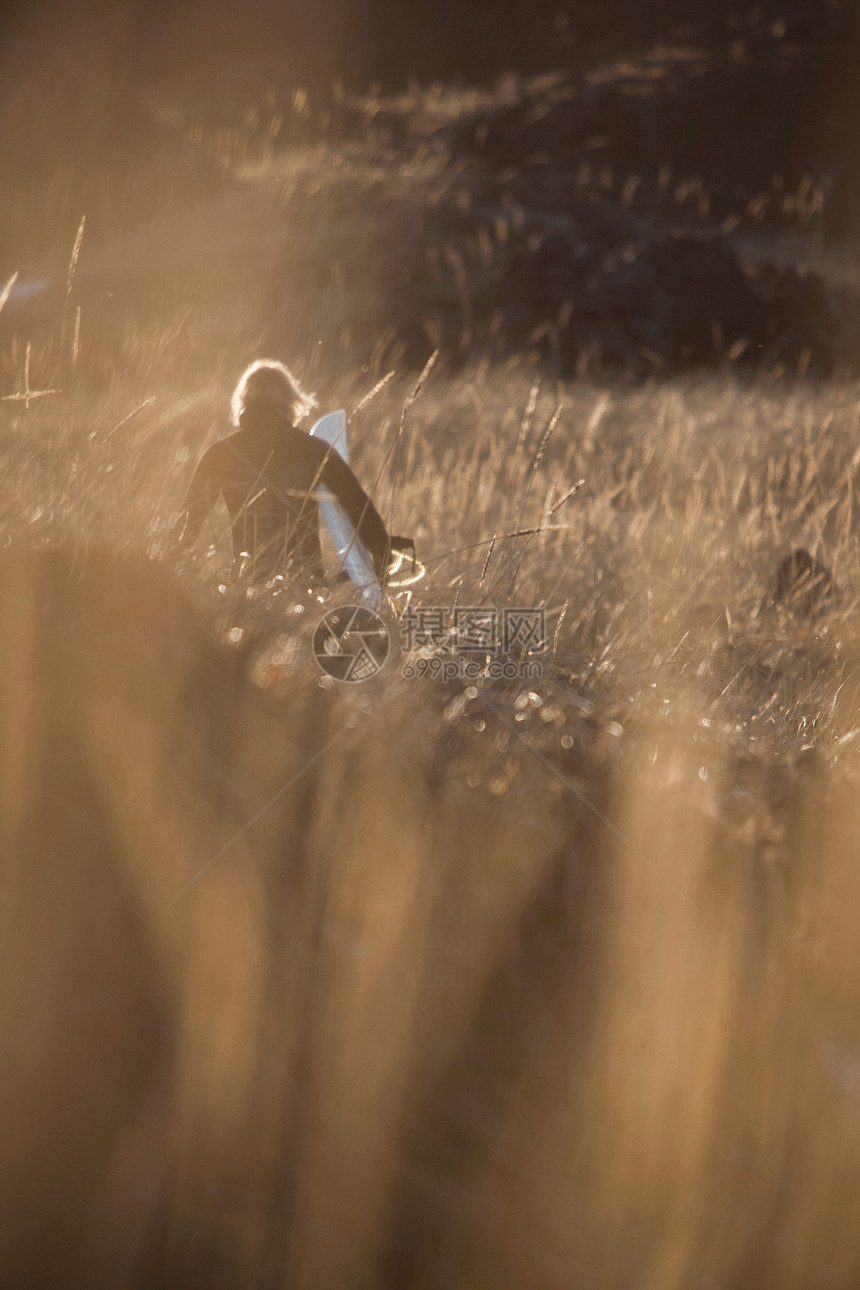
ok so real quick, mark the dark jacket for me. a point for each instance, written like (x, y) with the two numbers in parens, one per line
(270, 475)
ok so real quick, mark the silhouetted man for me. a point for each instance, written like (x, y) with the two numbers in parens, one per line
(270, 474)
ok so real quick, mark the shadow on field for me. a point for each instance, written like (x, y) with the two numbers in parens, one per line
(289, 1003)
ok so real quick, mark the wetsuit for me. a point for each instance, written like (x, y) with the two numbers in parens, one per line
(270, 476)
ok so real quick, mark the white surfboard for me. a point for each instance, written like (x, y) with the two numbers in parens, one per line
(354, 555)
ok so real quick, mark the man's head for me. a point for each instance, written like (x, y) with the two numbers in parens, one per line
(269, 384)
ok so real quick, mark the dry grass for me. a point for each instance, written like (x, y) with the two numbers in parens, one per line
(415, 984)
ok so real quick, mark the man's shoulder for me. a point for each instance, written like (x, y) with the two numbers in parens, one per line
(296, 445)
(290, 447)
(218, 450)
(226, 452)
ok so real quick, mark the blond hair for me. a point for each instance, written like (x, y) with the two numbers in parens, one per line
(269, 382)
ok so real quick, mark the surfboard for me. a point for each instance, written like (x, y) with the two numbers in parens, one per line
(354, 555)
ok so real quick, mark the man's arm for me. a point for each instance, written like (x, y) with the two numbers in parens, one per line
(198, 501)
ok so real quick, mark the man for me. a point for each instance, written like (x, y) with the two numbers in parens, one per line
(270, 474)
